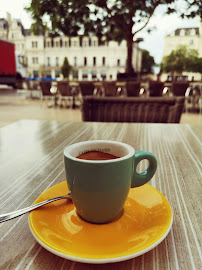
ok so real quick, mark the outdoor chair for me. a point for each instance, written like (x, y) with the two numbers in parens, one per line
(156, 88)
(110, 88)
(65, 93)
(179, 88)
(133, 109)
(133, 89)
(86, 88)
(182, 89)
(48, 92)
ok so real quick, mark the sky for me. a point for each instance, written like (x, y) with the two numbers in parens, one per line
(153, 42)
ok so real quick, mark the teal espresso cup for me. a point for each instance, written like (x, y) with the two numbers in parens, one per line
(99, 188)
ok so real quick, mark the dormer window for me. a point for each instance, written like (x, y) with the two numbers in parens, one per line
(193, 32)
(182, 32)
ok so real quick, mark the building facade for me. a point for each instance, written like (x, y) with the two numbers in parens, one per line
(190, 37)
(89, 59)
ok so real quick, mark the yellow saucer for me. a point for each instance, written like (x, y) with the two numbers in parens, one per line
(145, 222)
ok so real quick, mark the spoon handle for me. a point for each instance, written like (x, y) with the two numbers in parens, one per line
(23, 211)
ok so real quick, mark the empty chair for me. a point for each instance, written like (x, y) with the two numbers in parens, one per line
(156, 88)
(133, 109)
(65, 92)
(47, 94)
(86, 88)
(109, 88)
(179, 88)
(132, 89)
(182, 89)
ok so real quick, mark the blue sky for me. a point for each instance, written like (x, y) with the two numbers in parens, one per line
(153, 42)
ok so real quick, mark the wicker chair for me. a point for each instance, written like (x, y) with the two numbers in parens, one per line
(156, 88)
(132, 89)
(136, 109)
(86, 88)
(179, 88)
(65, 92)
(109, 89)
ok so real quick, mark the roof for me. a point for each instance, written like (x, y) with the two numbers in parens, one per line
(187, 31)
(26, 32)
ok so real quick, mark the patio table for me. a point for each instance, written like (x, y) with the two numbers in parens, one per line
(31, 155)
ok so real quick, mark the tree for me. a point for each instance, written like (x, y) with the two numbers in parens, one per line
(114, 19)
(195, 65)
(66, 68)
(179, 60)
(147, 62)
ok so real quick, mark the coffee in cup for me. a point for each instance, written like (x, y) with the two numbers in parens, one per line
(100, 174)
(96, 155)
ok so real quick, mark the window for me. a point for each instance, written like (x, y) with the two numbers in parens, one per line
(85, 61)
(94, 61)
(15, 35)
(118, 62)
(34, 60)
(57, 61)
(193, 32)
(36, 73)
(75, 61)
(103, 76)
(94, 75)
(103, 61)
(48, 61)
(182, 32)
(75, 74)
(191, 42)
(57, 73)
(85, 75)
(85, 43)
(34, 44)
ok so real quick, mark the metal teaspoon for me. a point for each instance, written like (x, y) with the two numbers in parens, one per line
(23, 211)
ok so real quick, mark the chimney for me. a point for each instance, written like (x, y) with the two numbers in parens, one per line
(8, 16)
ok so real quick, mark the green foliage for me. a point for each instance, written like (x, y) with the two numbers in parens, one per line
(182, 59)
(66, 68)
(116, 20)
(195, 65)
(147, 62)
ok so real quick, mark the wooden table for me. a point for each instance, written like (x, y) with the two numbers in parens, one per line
(31, 158)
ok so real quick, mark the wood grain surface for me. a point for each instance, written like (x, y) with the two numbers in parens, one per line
(31, 161)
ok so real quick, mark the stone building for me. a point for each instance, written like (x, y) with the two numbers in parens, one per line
(191, 37)
(89, 59)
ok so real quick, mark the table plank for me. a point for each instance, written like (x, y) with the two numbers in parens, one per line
(31, 155)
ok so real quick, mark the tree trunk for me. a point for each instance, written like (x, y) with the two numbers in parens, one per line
(129, 66)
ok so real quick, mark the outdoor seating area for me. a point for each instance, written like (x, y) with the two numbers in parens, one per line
(70, 94)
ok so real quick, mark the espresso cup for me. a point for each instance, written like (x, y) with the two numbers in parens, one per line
(99, 188)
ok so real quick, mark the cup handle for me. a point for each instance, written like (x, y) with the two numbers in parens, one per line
(140, 179)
